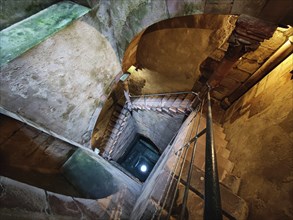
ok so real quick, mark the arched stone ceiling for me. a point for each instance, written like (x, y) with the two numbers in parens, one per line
(171, 51)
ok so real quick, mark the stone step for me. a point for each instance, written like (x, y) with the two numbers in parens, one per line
(157, 102)
(176, 104)
(150, 102)
(218, 142)
(201, 147)
(224, 165)
(231, 203)
(224, 152)
(164, 100)
(186, 102)
(232, 182)
(170, 101)
(218, 131)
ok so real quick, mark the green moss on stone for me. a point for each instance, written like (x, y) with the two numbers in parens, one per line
(22, 36)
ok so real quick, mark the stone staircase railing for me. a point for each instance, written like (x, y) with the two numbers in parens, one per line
(172, 103)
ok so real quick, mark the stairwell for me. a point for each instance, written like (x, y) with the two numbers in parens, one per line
(141, 200)
(155, 188)
(233, 206)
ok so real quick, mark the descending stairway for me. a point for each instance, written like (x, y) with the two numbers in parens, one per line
(181, 104)
(225, 166)
(116, 126)
(165, 104)
(233, 206)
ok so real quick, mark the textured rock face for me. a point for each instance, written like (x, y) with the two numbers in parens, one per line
(22, 201)
(120, 21)
(160, 128)
(24, 35)
(33, 157)
(62, 83)
(259, 130)
(18, 10)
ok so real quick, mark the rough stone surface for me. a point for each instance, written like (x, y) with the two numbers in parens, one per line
(238, 75)
(275, 42)
(260, 55)
(249, 7)
(18, 10)
(158, 127)
(23, 151)
(21, 201)
(230, 83)
(126, 19)
(15, 195)
(62, 83)
(218, 7)
(24, 35)
(125, 138)
(247, 65)
(259, 130)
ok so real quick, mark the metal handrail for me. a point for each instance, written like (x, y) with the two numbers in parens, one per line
(185, 147)
(212, 197)
(190, 169)
(163, 94)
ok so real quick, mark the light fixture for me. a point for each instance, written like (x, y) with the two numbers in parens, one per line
(143, 168)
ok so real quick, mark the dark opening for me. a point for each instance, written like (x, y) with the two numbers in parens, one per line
(140, 158)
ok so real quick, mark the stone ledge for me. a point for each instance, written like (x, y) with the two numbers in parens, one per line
(22, 36)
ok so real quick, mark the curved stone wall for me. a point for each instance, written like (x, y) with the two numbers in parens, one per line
(61, 84)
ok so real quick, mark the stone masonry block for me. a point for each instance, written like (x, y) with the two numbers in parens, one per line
(238, 75)
(247, 65)
(260, 55)
(275, 41)
(218, 7)
(230, 83)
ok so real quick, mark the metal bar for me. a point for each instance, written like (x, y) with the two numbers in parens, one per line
(212, 207)
(186, 147)
(169, 187)
(190, 169)
(178, 182)
(203, 131)
(176, 165)
(162, 94)
(169, 151)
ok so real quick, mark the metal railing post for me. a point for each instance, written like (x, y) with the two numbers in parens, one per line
(212, 207)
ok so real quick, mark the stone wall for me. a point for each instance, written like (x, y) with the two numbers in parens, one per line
(259, 129)
(120, 21)
(17, 10)
(22, 201)
(125, 139)
(33, 157)
(159, 179)
(158, 127)
(61, 84)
